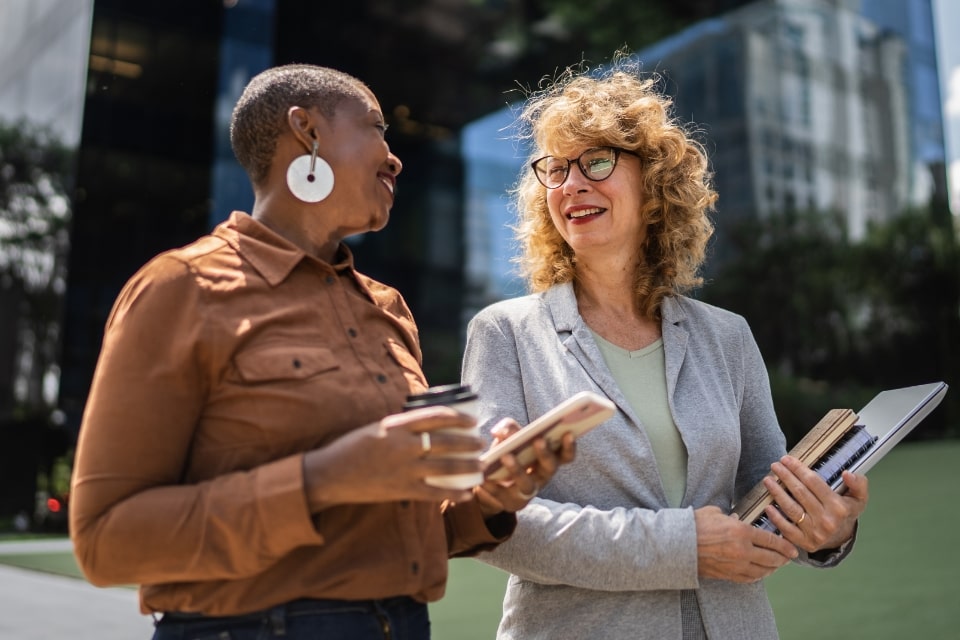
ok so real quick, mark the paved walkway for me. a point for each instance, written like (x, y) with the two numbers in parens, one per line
(40, 606)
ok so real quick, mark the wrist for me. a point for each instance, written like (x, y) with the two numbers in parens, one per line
(489, 507)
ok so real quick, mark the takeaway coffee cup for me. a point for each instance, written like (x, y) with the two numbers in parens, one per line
(464, 400)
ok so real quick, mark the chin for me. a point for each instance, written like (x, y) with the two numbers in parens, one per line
(379, 222)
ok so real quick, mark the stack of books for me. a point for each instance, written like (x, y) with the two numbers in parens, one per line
(844, 440)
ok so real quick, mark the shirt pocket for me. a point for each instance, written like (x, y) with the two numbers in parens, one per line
(416, 381)
(277, 362)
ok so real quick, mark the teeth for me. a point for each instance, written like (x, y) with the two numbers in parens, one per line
(388, 183)
(585, 212)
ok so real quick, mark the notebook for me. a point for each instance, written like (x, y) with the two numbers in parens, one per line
(854, 442)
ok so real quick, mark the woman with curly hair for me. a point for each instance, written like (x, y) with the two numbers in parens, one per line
(635, 538)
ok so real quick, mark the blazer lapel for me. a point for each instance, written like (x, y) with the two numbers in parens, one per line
(575, 335)
(674, 342)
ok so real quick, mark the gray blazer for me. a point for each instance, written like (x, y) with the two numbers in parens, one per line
(599, 554)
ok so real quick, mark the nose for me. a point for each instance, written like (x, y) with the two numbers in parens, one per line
(576, 181)
(394, 164)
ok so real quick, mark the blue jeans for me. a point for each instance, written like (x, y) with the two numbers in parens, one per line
(399, 618)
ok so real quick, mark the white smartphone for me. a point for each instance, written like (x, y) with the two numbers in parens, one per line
(577, 414)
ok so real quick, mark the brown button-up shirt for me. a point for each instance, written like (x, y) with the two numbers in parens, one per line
(222, 363)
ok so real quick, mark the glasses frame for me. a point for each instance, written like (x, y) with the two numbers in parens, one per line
(583, 170)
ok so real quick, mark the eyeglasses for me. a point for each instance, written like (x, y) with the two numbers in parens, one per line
(595, 164)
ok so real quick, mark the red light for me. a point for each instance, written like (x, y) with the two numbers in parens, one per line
(53, 505)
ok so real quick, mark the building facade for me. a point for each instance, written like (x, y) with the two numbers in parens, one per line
(803, 105)
(43, 49)
(143, 93)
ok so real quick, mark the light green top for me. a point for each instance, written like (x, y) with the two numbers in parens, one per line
(642, 379)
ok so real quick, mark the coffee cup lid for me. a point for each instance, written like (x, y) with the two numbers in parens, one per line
(443, 394)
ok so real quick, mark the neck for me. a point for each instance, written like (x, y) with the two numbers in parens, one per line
(289, 221)
(609, 285)
(608, 305)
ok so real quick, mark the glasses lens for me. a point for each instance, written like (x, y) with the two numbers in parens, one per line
(551, 171)
(598, 164)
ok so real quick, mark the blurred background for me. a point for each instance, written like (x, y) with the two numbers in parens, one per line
(824, 121)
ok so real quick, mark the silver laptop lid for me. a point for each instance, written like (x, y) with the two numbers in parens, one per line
(892, 414)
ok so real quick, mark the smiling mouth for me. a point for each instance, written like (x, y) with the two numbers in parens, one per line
(583, 213)
(390, 184)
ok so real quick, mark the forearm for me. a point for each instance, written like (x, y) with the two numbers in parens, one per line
(615, 550)
(224, 528)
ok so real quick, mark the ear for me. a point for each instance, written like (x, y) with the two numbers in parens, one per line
(302, 125)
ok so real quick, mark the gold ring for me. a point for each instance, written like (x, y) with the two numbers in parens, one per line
(425, 442)
(802, 516)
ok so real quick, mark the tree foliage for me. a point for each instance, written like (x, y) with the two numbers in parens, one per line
(36, 171)
(910, 270)
(837, 320)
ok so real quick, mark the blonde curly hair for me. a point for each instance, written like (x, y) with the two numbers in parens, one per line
(618, 108)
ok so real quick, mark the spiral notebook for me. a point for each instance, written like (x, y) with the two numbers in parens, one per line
(844, 440)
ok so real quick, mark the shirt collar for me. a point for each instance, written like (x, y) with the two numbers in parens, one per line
(273, 256)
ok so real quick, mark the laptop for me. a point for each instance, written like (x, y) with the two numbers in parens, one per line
(879, 426)
(887, 419)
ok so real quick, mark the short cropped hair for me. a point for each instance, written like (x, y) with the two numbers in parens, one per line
(261, 112)
(620, 108)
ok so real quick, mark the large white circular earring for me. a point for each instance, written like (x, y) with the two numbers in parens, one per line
(310, 178)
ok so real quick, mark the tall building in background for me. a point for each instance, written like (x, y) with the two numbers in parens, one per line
(493, 160)
(912, 21)
(43, 61)
(144, 91)
(814, 105)
(44, 48)
(144, 161)
(805, 105)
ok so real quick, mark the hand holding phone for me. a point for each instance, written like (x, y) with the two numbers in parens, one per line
(578, 414)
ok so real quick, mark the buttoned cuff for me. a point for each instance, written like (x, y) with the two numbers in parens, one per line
(282, 503)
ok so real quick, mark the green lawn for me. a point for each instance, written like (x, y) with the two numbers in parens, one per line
(902, 581)
(59, 563)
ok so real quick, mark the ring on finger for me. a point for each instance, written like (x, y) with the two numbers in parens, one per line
(528, 496)
(425, 444)
(803, 516)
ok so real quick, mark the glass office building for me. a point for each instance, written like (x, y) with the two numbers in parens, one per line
(828, 105)
(155, 167)
(912, 21)
(43, 60)
(143, 92)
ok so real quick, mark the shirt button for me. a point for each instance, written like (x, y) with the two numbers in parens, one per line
(415, 568)
(381, 378)
(296, 363)
(352, 332)
(404, 503)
